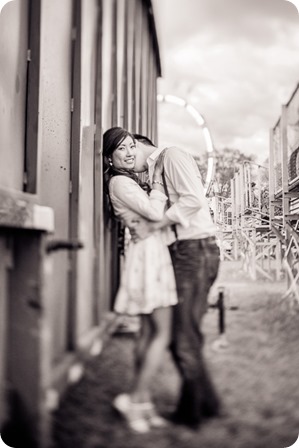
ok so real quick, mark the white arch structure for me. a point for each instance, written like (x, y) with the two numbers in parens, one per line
(200, 121)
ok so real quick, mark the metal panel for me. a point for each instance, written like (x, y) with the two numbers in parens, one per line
(13, 79)
(54, 146)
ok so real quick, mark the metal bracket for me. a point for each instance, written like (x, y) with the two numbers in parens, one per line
(55, 245)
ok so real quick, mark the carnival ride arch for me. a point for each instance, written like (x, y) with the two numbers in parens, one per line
(202, 124)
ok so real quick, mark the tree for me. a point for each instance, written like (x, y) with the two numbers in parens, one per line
(228, 161)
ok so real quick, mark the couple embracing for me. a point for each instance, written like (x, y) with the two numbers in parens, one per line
(171, 262)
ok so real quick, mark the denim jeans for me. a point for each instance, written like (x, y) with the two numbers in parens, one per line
(196, 264)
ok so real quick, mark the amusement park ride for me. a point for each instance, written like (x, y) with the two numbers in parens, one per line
(259, 222)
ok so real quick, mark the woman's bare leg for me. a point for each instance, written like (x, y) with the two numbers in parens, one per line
(160, 321)
(143, 339)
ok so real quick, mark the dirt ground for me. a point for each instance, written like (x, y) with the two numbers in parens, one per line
(257, 376)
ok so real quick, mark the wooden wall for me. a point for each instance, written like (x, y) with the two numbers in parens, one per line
(71, 70)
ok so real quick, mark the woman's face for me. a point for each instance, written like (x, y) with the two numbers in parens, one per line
(124, 155)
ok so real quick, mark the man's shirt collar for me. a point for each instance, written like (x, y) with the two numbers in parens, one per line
(151, 160)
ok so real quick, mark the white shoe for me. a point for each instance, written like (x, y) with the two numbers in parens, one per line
(132, 412)
(155, 420)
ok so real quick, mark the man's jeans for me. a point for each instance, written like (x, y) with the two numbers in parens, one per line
(196, 264)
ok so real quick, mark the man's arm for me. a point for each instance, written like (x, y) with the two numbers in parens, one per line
(182, 171)
(142, 229)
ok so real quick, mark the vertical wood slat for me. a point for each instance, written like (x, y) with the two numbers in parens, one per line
(125, 75)
(155, 108)
(31, 132)
(145, 75)
(138, 52)
(130, 24)
(113, 255)
(98, 178)
(114, 111)
(74, 174)
(134, 116)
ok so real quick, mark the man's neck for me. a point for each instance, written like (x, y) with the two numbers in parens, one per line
(149, 150)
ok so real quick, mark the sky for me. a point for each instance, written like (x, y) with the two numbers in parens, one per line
(235, 61)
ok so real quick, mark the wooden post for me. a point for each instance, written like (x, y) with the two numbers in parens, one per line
(26, 339)
(241, 194)
(252, 248)
(285, 178)
(28, 347)
(259, 189)
(5, 264)
(271, 177)
(284, 157)
(221, 309)
(233, 203)
(278, 259)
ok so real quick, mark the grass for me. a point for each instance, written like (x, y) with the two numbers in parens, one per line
(256, 376)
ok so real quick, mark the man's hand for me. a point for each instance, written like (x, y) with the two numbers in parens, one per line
(140, 230)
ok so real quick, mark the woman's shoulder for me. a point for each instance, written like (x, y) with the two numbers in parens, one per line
(121, 180)
(119, 183)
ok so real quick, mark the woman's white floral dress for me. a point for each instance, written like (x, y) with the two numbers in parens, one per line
(147, 278)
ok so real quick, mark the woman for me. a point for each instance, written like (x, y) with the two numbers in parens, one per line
(147, 286)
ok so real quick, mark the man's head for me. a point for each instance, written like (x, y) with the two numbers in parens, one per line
(145, 147)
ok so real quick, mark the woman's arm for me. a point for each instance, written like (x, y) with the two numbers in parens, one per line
(132, 196)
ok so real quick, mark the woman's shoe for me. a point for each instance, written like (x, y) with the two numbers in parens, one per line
(132, 412)
(155, 420)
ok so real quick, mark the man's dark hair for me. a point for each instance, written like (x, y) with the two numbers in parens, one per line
(143, 139)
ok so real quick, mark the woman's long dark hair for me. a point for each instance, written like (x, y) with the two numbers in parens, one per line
(112, 138)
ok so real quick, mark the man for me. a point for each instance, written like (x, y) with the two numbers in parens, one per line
(195, 257)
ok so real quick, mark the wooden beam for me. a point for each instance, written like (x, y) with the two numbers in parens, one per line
(74, 173)
(32, 102)
(293, 232)
(292, 194)
(18, 210)
(292, 217)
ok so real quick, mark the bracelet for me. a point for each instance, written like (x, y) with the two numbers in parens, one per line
(158, 182)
